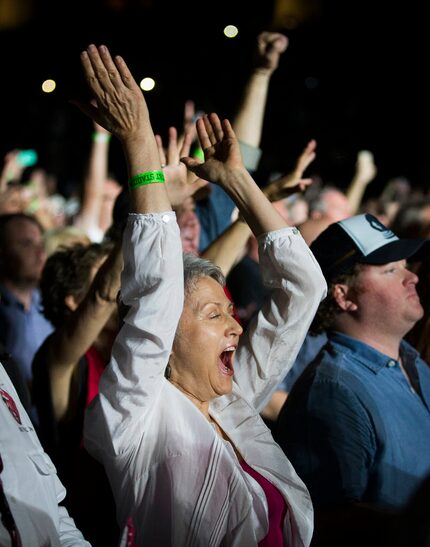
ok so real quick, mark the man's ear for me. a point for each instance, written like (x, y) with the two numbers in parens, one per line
(344, 297)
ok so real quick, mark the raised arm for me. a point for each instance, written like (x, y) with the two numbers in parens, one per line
(365, 172)
(79, 332)
(224, 166)
(269, 347)
(230, 245)
(293, 181)
(94, 179)
(215, 213)
(152, 278)
(11, 170)
(121, 109)
(248, 121)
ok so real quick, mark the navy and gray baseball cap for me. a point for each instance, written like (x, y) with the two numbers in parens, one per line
(363, 239)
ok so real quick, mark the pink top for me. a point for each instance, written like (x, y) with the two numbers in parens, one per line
(96, 367)
(277, 509)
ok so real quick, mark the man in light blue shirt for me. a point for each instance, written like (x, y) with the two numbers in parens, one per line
(356, 425)
(23, 326)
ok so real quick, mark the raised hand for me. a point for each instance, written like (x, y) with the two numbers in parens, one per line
(365, 168)
(221, 151)
(270, 46)
(189, 126)
(119, 103)
(120, 108)
(12, 169)
(293, 182)
(180, 182)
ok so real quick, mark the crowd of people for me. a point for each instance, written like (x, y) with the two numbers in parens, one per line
(197, 358)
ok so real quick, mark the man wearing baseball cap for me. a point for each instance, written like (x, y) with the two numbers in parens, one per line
(356, 425)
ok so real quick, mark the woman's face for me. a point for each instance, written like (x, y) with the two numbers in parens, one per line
(189, 226)
(206, 339)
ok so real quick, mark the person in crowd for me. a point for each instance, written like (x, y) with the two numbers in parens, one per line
(16, 377)
(64, 236)
(79, 287)
(326, 205)
(356, 424)
(397, 192)
(176, 422)
(30, 490)
(412, 220)
(23, 327)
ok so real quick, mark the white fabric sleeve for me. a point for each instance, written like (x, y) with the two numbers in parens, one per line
(270, 345)
(152, 286)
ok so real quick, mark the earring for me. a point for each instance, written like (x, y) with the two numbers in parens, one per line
(168, 372)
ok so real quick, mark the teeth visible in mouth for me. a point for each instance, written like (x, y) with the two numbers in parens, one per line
(226, 364)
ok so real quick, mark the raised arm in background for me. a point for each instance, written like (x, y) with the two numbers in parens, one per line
(215, 212)
(365, 172)
(68, 343)
(96, 187)
(249, 118)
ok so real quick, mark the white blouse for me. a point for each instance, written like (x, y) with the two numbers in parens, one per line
(182, 484)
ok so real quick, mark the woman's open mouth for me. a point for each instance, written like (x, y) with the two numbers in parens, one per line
(225, 362)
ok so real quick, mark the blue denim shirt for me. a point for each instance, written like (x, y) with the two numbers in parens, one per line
(310, 348)
(355, 429)
(214, 213)
(22, 331)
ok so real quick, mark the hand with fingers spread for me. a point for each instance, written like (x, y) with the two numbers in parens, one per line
(119, 106)
(119, 103)
(293, 182)
(181, 183)
(221, 150)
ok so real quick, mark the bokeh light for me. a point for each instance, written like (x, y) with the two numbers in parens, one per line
(48, 86)
(231, 31)
(147, 84)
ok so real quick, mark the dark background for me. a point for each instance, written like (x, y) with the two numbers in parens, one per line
(354, 77)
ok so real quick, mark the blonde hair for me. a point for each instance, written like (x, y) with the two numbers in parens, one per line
(63, 237)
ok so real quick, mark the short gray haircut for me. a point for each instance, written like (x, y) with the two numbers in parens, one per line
(195, 268)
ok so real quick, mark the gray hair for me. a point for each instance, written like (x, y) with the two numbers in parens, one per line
(316, 201)
(195, 268)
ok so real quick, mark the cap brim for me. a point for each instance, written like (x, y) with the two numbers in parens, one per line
(413, 250)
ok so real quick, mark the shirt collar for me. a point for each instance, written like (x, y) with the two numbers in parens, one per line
(368, 356)
(9, 299)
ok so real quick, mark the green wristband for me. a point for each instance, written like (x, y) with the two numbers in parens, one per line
(101, 137)
(150, 177)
